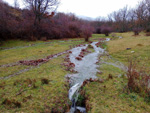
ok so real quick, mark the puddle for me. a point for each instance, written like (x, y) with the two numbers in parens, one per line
(86, 69)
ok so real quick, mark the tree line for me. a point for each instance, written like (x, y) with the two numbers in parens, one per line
(39, 21)
(127, 19)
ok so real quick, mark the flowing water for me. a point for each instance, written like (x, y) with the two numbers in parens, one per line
(86, 69)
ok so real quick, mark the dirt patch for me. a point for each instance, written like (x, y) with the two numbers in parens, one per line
(11, 103)
(139, 44)
(45, 81)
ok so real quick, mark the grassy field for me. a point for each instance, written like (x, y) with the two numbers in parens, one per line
(41, 89)
(111, 95)
(140, 48)
(44, 89)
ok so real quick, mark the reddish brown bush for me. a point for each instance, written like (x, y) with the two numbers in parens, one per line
(147, 34)
(106, 30)
(86, 31)
(138, 81)
(137, 31)
(98, 30)
(17, 23)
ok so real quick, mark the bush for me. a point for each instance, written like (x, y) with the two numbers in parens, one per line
(148, 29)
(136, 31)
(106, 30)
(138, 81)
(98, 30)
(17, 23)
(87, 31)
(147, 34)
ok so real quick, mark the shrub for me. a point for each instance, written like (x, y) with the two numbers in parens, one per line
(136, 31)
(98, 30)
(106, 30)
(17, 23)
(43, 39)
(148, 29)
(147, 34)
(138, 81)
(87, 31)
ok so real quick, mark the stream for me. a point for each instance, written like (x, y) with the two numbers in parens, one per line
(86, 69)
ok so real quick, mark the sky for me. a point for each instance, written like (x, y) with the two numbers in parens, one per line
(90, 8)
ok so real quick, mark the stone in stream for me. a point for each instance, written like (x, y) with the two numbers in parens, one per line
(78, 58)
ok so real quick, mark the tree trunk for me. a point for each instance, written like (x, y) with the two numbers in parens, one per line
(86, 39)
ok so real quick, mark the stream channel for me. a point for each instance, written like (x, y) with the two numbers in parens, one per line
(86, 69)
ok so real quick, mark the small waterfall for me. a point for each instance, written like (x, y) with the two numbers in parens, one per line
(86, 69)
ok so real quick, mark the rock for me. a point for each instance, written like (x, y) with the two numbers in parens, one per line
(70, 51)
(128, 48)
(120, 37)
(132, 51)
(78, 58)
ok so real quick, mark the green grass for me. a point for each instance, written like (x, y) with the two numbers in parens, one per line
(18, 43)
(139, 44)
(28, 89)
(35, 52)
(110, 97)
(43, 96)
(6, 71)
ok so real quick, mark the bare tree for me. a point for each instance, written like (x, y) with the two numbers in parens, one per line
(42, 7)
(16, 4)
(147, 5)
(140, 13)
(116, 17)
(131, 19)
(124, 17)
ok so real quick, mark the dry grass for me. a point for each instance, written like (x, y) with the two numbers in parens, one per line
(111, 96)
(128, 41)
